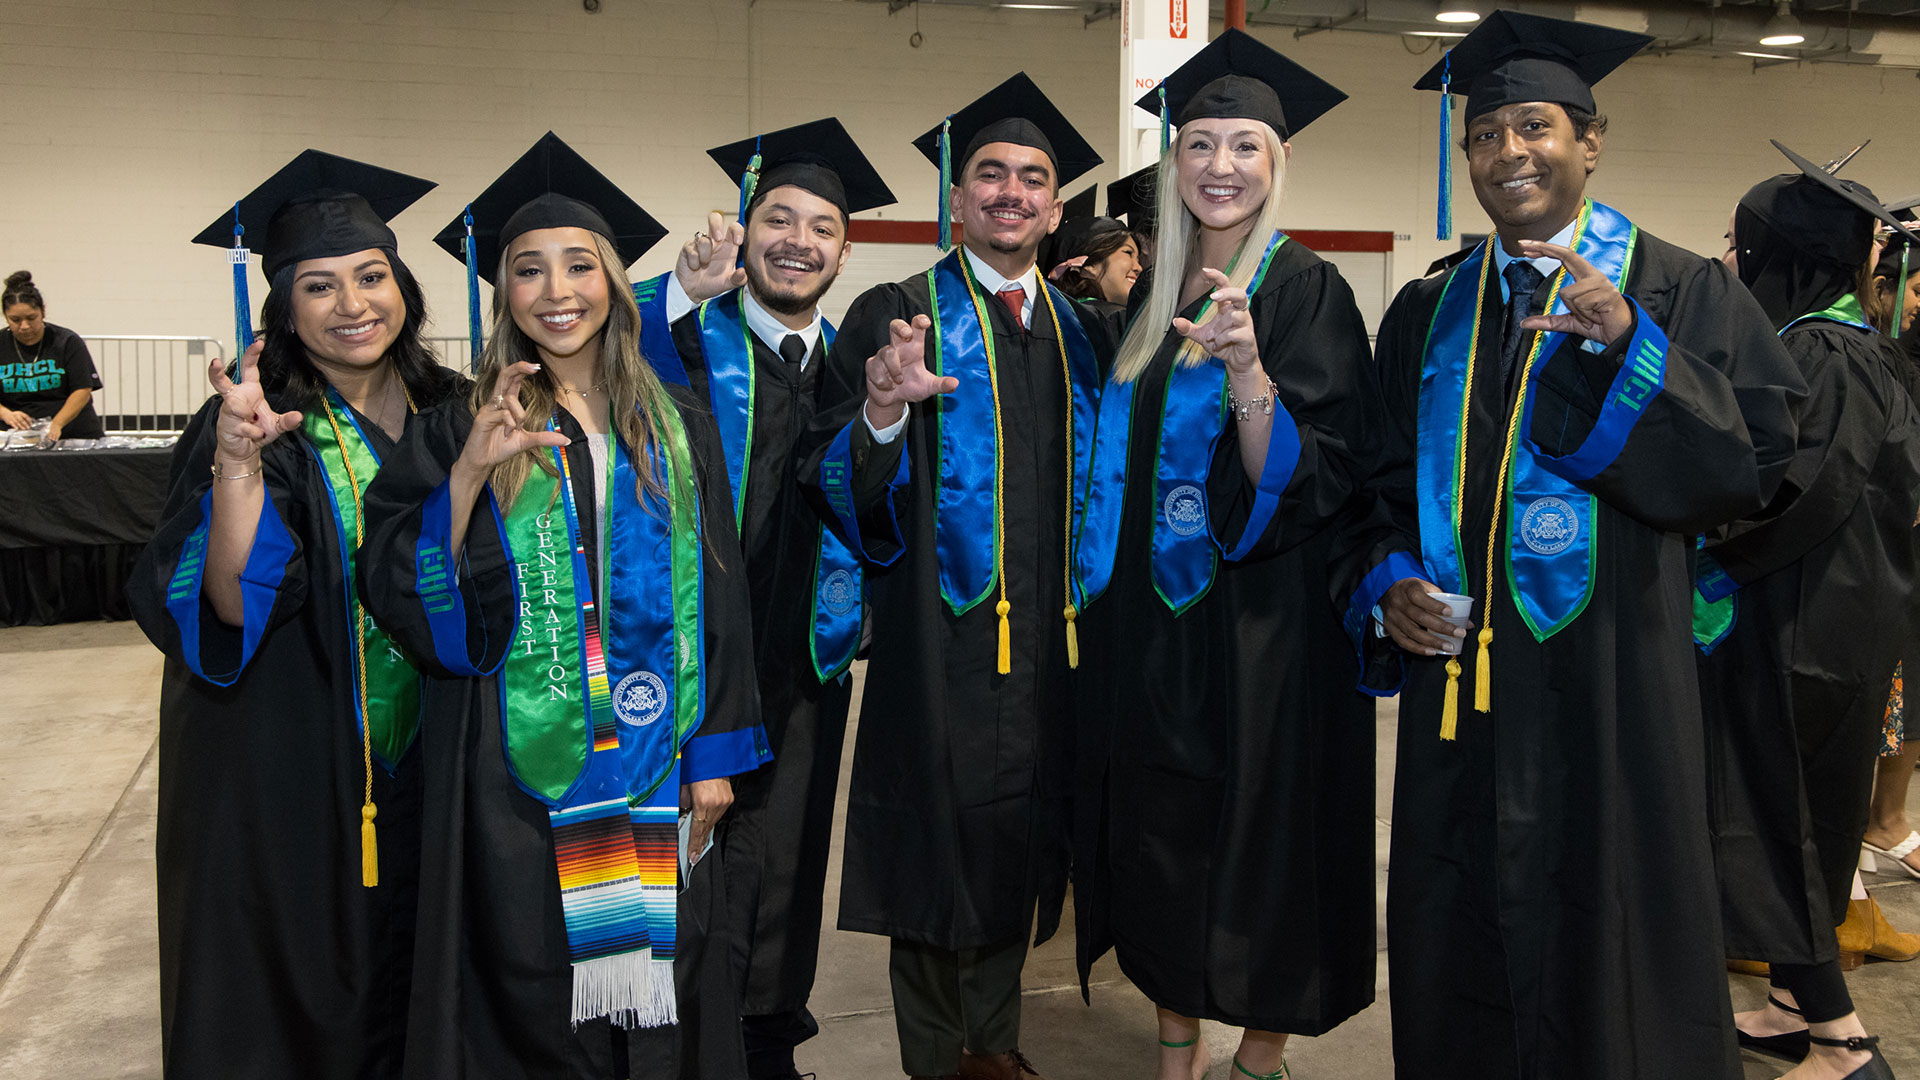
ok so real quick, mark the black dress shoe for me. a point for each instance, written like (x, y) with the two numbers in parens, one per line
(1875, 1069)
(1792, 1045)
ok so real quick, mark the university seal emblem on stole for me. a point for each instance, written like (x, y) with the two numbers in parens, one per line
(1549, 526)
(640, 699)
(1185, 510)
(839, 592)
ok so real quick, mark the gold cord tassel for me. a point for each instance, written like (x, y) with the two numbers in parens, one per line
(1073, 637)
(1006, 638)
(1450, 702)
(369, 850)
(1483, 674)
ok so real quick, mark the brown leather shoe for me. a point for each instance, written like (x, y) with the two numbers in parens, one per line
(1006, 1065)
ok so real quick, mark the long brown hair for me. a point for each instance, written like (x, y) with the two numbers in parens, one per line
(638, 398)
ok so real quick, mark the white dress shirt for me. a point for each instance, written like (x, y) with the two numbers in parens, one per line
(1547, 266)
(763, 323)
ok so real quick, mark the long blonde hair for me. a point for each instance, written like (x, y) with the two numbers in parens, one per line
(1177, 256)
(638, 397)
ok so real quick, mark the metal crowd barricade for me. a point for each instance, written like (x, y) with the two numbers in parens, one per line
(150, 384)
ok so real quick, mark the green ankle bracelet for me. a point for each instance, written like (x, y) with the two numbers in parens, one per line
(1277, 1074)
(1179, 1045)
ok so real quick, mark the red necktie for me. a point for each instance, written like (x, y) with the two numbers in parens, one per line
(1015, 297)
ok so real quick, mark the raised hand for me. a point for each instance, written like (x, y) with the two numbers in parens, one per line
(706, 267)
(897, 374)
(497, 432)
(1227, 336)
(246, 423)
(1595, 309)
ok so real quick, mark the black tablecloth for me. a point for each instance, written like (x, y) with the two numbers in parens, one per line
(71, 524)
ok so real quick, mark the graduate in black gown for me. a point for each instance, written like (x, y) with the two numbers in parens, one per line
(1091, 258)
(562, 542)
(1224, 813)
(1550, 910)
(289, 811)
(1801, 619)
(957, 827)
(754, 351)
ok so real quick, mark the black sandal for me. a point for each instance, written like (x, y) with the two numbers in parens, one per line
(1876, 1069)
(1792, 1045)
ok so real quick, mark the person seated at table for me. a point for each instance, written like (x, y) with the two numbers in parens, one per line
(50, 373)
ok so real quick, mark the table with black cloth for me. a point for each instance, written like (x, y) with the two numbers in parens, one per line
(71, 524)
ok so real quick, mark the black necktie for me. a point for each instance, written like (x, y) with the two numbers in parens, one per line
(793, 349)
(1522, 280)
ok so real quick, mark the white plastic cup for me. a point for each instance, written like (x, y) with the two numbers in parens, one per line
(1459, 613)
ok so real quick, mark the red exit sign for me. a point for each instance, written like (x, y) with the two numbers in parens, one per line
(1177, 19)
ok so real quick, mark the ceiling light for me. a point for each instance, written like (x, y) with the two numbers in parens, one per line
(1765, 55)
(1451, 13)
(1437, 33)
(1783, 28)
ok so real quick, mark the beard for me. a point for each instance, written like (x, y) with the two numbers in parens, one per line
(784, 299)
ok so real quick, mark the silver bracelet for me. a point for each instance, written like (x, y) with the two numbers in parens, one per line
(218, 475)
(1243, 410)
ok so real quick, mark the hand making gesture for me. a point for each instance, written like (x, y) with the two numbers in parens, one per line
(898, 374)
(246, 423)
(706, 267)
(1229, 334)
(1595, 309)
(497, 432)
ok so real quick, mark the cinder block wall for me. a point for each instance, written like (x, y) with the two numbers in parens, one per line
(131, 123)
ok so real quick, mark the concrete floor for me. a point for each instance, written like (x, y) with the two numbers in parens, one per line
(78, 996)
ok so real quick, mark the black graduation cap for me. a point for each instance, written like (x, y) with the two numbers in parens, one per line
(1239, 76)
(550, 187)
(1903, 209)
(1013, 112)
(1078, 225)
(1513, 57)
(1133, 199)
(819, 157)
(1850, 192)
(317, 206)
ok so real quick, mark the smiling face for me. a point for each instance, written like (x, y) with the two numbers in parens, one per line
(1529, 170)
(347, 310)
(28, 323)
(1005, 199)
(556, 289)
(1115, 274)
(1225, 171)
(796, 246)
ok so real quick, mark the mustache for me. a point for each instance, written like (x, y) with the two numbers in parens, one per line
(796, 254)
(1014, 205)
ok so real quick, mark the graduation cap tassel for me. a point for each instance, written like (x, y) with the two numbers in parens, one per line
(749, 183)
(1900, 292)
(1166, 121)
(1483, 674)
(473, 293)
(242, 307)
(1443, 224)
(1450, 702)
(946, 184)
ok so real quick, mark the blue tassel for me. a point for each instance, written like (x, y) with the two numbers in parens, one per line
(1166, 122)
(1900, 291)
(242, 307)
(473, 294)
(1443, 225)
(946, 184)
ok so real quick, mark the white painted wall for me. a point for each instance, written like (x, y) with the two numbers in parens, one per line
(131, 123)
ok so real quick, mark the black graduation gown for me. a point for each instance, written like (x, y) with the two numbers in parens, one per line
(779, 830)
(1551, 908)
(492, 992)
(274, 959)
(957, 811)
(1224, 813)
(1794, 699)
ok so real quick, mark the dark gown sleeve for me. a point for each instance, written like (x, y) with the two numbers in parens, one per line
(166, 590)
(1326, 420)
(1852, 402)
(853, 480)
(1683, 431)
(454, 611)
(730, 739)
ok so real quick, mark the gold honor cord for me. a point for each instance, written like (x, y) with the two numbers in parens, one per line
(1005, 657)
(369, 847)
(1483, 662)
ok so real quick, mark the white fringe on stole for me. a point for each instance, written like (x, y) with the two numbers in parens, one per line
(630, 989)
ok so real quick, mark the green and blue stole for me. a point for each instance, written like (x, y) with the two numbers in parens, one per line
(1193, 417)
(727, 345)
(1543, 515)
(968, 516)
(595, 703)
(1715, 595)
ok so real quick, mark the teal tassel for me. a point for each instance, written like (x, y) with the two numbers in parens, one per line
(946, 184)
(473, 295)
(750, 182)
(1166, 121)
(1900, 292)
(1443, 225)
(242, 307)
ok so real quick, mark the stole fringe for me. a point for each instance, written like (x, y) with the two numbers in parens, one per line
(629, 988)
